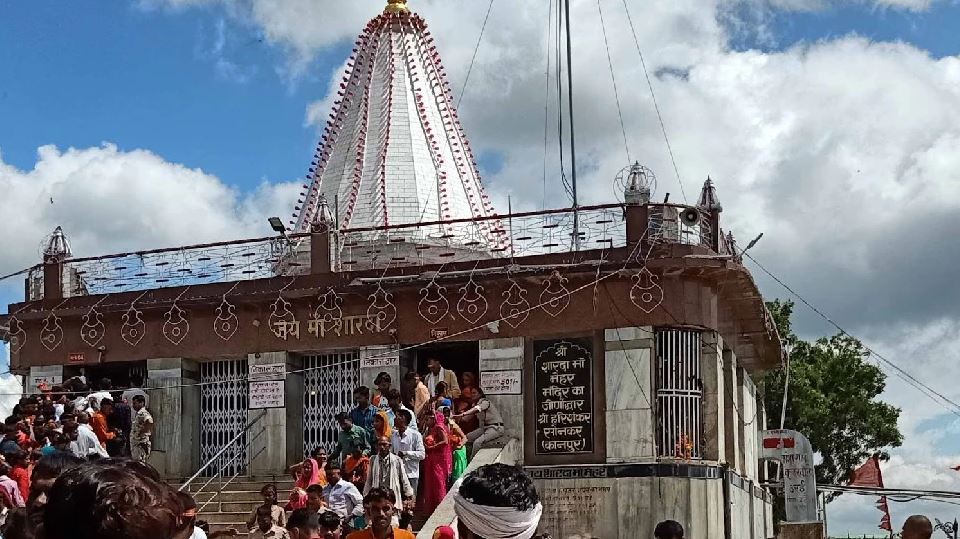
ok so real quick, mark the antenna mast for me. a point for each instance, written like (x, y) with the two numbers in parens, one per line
(573, 146)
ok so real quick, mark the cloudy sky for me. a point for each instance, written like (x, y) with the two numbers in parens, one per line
(833, 127)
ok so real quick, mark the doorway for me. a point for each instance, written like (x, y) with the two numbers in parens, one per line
(460, 357)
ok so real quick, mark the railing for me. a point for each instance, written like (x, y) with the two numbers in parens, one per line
(500, 237)
(457, 240)
(220, 463)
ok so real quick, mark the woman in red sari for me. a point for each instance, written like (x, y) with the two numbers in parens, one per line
(436, 465)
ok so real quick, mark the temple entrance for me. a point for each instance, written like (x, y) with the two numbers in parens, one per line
(460, 357)
(328, 383)
(121, 375)
(223, 414)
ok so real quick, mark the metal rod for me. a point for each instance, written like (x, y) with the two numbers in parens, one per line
(222, 451)
(573, 146)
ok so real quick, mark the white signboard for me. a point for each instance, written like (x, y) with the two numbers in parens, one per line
(501, 382)
(48, 376)
(268, 371)
(269, 394)
(383, 359)
(794, 452)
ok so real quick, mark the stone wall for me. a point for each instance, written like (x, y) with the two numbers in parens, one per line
(175, 404)
(630, 394)
(505, 355)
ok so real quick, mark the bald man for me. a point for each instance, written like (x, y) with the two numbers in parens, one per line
(917, 527)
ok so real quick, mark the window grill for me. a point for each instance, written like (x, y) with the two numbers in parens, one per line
(679, 394)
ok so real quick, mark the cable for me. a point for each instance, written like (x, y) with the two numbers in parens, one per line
(399, 349)
(546, 103)
(475, 50)
(21, 272)
(656, 106)
(900, 372)
(616, 92)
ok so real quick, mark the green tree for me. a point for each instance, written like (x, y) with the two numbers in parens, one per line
(832, 399)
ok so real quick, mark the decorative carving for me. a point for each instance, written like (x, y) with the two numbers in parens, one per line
(51, 335)
(555, 296)
(226, 323)
(93, 329)
(330, 310)
(472, 305)
(283, 322)
(176, 328)
(133, 328)
(646, 293)
(433, 306)
(381, 307)
(515, 308)
(17, 335)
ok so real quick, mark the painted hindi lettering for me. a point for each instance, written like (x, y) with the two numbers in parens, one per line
(564, 396)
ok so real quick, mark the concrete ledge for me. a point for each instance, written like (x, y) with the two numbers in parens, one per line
(445, 514)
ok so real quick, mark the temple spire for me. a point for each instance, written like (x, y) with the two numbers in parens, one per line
(396, 6)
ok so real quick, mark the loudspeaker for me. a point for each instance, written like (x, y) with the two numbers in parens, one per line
(690, 217)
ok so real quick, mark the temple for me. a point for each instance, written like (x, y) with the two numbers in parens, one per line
(620, 341)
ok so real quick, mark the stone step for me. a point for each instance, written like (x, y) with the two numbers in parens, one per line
(236, 518)
(285, 485)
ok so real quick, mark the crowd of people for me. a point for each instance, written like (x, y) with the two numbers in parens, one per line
(410, 441)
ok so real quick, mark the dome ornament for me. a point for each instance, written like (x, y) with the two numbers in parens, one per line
(396, 6)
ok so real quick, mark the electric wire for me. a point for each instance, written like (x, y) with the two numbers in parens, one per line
(656, 106)
(900, 372)
(387, 353)
(546, 103)
(476, 49)
(613, 77)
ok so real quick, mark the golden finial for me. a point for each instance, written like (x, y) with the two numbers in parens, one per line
(396, 6)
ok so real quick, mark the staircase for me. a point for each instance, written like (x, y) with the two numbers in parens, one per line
(231, 507)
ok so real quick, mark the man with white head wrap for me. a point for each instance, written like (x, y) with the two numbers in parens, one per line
(497, 501)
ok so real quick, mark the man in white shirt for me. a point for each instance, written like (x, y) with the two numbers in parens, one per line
(86, 443)
(395, 407)
(438, 374)
(408, 445)
(341, 496)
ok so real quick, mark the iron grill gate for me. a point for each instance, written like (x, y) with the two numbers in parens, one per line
(679, 394)
(329, 381)
(223, 414)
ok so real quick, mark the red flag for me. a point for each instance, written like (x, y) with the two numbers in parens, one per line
(869, 475)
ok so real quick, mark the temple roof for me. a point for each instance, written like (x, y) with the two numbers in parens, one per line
(393, 150)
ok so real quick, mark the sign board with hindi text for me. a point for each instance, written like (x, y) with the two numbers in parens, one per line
(379, 360)
(267, 371)
(46, 376)
(268, 394)
(795, 454)
(501, 382)
(563, 398)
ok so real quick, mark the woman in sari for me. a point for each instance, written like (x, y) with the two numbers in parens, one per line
(437, 464)
(304, 474)
(458, 446)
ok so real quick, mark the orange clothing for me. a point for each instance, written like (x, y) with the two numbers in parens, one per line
(22, 476)
(98, 422)
(368, 534)
(355, 470)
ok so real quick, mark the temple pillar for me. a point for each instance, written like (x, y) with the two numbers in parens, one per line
(711, 359)
(172, 384)
(732, 412)
(281, 442)
(506, 355)
(630, 394)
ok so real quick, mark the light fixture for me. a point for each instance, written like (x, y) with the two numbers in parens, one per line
(277, 225)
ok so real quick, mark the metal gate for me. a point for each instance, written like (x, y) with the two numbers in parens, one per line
(223, 414)
(329, 381)
(679, 394)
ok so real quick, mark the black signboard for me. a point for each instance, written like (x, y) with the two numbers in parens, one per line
(564, 396)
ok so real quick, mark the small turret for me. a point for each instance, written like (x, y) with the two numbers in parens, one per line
(708, 197)
(57, 247)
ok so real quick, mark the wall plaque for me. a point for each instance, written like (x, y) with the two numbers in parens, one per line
(564, 396)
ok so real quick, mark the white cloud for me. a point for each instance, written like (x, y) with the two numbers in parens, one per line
(108, 200)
